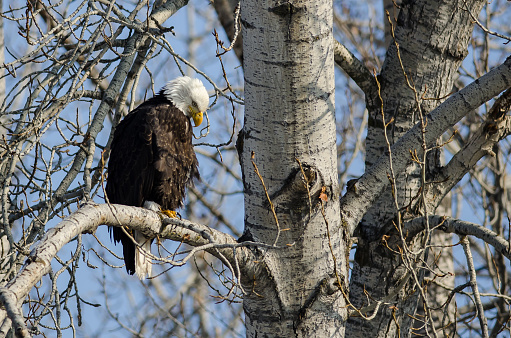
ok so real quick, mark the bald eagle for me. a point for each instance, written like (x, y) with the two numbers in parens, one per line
(152, 160)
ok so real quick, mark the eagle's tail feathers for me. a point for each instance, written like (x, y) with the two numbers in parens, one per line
(142, 260)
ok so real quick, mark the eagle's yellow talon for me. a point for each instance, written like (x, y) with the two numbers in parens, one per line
(169, 213)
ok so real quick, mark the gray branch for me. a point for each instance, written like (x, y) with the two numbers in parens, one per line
(366, 190)
(473, 283)
(355, 69)
(494, 129)
(8, 300)
(89, 217)
(461, 228)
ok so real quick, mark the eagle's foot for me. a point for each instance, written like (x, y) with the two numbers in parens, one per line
(156, 207)
(169, 213)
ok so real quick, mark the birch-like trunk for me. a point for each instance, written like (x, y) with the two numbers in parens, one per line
(5, 245)
(433, 37)
(289, 129)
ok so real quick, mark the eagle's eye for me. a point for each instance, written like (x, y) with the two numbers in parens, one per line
(194, 104)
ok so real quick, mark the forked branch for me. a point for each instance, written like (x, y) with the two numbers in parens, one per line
(356, 202)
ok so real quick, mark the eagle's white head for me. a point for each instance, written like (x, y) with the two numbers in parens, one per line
(188, 95)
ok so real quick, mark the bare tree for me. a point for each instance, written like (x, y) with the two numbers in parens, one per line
(428, 115)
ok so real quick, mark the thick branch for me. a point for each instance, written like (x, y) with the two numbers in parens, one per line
(357, 201)
(355, 69)
(495, 128)
(89, 217)
(8, 300)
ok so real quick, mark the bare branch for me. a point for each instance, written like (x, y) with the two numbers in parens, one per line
(475, 289)
(355, 69)
(494, 129)
(225, 10)
(89, 217)
(357, 201)
(461, 228)
(8, 300)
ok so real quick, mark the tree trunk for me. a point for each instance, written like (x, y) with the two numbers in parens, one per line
(432, 37)
(289, 133)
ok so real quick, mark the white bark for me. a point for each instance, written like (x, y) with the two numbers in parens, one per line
(2, 59)
(427, 72)
(5, 245)
(89, 217)
(8, 301)
(440, 260)
(479, 145)
(289, 116)
(357, 201)
(355, 69)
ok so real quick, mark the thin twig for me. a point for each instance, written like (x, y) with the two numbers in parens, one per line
(473, 283)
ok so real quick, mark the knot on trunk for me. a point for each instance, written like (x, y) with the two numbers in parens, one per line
(284, 9)
(300, 191)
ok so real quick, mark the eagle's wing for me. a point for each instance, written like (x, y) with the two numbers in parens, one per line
(130, 168)
(131, 171)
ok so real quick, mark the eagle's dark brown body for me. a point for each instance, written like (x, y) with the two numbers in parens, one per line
(152, 159)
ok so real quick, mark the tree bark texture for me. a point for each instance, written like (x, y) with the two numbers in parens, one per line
(289, 134)
(431, 39)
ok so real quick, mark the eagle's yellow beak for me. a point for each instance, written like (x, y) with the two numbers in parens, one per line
(196, 116)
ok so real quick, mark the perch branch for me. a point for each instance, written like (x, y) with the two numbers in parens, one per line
(90, 216)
